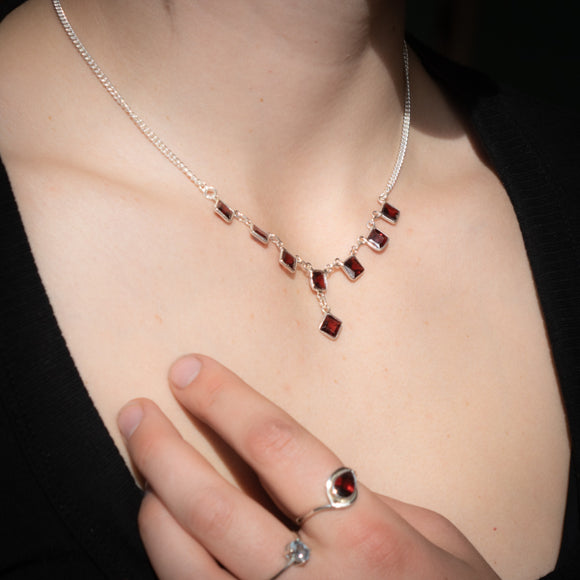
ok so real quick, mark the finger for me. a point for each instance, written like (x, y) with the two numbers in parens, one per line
(439, 531)
(232, 527)
(292, 464)
(283, 453)
(172, 551)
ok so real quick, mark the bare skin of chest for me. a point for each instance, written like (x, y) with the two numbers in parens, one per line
(440, 390)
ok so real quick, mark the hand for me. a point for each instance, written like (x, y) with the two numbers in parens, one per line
(191, 518)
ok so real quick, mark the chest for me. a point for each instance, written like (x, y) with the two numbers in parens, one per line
(440, 390)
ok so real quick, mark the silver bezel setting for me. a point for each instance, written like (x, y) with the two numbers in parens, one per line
(312, 285)
(227, 218)
(326, 333)
(256, 233)
(286, 266)
(373, 245)
(388, 219)
(338, 501)
(347, 270)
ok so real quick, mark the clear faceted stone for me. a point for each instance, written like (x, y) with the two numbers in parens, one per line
(298, 552)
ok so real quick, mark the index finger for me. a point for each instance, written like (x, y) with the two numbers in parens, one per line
(291, 463)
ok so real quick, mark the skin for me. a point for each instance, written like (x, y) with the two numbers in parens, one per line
(440, 391)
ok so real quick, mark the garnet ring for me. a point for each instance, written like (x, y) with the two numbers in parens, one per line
(341, 491)
(297, 554)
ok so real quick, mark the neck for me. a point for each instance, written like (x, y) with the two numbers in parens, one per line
(262, 93)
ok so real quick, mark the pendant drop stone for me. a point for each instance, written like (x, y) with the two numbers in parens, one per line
(377, 240)
(224, 211)
(318, 280)
(390, 213)
(330, 326)
(287, 260)
(352, 268)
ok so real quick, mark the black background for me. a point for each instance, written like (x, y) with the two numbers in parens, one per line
(531, 45)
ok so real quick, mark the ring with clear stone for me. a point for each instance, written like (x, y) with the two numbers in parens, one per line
(297, 554)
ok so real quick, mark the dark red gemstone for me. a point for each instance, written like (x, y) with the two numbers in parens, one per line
(318, 280)
(390, 213)
(330, 326)
(224, 211)
(259, 235)
(288, 260)
(352, 268)
(377, 240)
(344, 485)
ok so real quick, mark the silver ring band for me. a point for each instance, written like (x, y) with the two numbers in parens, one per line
(341, 490)
(297, 554)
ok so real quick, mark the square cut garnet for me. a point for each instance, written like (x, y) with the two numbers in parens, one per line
(259, 235)
(377, 240)
(318, 280)
(287, 260)
(390, 213)
(224, 211)
(330, 326)
(352, 268)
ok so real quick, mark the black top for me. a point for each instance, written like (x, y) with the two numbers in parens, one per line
(68, 503)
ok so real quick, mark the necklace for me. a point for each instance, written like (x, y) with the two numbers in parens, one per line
(375, 239)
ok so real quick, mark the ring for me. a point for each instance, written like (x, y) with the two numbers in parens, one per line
(341, 491)
(297, 554)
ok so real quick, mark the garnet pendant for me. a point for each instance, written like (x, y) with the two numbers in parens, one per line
(287, 260)
(330, 326)
(318, 280)
(352, 268)
(224, 211)
(390, 213)
(341, 488)
(377, 240)
(259, 235)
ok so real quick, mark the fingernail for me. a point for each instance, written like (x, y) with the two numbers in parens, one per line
(184, 371)
(129, 418)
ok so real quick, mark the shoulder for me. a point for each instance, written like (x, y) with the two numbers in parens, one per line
(534, 147)
(24, 50)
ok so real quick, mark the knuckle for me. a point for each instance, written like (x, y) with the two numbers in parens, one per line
(148, 453)
(436, 525)
(212, 515)
(273, 441)
(150, 515)
(377, 547)
(207, 394)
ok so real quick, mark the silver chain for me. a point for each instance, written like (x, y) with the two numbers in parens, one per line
(209, 192)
